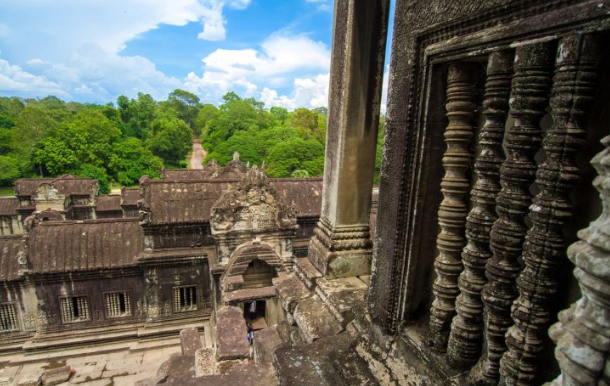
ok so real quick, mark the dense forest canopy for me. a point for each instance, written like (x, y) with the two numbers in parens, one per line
(49, 137)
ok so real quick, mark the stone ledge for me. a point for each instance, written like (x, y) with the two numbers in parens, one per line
(306, 271)
(250, 294)
(343, 296)
(290, 291)
(315, 320)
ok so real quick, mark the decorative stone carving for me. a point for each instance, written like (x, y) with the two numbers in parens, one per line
(453, 209)
(467, 327)
(572, 96)
(583, 331)
(254, 206)
(529, 98)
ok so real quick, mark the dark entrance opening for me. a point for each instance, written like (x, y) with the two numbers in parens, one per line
(255, 315)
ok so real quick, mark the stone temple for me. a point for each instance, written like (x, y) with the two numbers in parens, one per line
(484, 258)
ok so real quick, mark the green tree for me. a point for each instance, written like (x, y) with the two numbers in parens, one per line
(205, 114)
(97, 173)
(55, 156)
(186, 105)
(32, 126)
(296, 154)
(9, 170)
(131, 160)
(280, 114)
(172, 140)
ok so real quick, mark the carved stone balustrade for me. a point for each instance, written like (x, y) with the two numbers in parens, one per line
(583, 331)
(529, 98)
(467, 327)
(572, 96)
(453, 209)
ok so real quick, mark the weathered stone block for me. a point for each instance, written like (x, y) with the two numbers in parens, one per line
(315, 320)
(231, 334)
(30, 381)
(56, 376)
(204, 362)
(190, 341)
(290, 291)
(265, 342)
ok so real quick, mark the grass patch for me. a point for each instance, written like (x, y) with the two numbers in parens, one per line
(7, 191)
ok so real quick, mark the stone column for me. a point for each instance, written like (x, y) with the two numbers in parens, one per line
(341, 245)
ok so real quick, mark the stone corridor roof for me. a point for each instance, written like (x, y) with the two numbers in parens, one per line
(71, 246)
(68, 185)
(8, 206)
(106, 203)
(9, 248)
(304, 193)
(190, 201)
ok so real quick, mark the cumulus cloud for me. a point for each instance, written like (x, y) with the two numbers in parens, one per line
(308, 92)
(13, 79)
(274, 65)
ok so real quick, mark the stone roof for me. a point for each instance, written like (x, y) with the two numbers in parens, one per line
(9, 266)
(72, 246)
(107, 203)
(67, 185)
(181, 202)
(130, 196)
(304, 193)
(8, 206)
(173, 202)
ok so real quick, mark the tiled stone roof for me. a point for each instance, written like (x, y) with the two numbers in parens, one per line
(8, 206)
(106, 203)
(9, 248)
(70, 246)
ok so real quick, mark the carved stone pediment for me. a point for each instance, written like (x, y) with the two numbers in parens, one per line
(46, 192)
(254, 206)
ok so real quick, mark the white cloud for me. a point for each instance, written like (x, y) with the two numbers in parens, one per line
(308, 92)
(55, 30)
(14, 80)
(281, 57)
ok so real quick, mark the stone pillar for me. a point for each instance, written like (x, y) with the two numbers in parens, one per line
(341, 245)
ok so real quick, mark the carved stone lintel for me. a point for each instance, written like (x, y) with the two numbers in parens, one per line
(528, 100)
(572, 96)
(453, 209)
(467, 327)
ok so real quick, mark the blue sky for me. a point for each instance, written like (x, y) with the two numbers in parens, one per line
(277, 51)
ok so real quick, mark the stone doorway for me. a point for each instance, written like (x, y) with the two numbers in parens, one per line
(258, 317)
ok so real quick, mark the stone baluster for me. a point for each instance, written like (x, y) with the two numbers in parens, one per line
(467, 327)
(453, 209)
(573, 94)
(529, 98)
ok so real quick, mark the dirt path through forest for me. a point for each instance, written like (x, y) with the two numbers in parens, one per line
(197, 155)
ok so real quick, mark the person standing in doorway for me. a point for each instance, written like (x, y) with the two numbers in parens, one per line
(252, 310)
